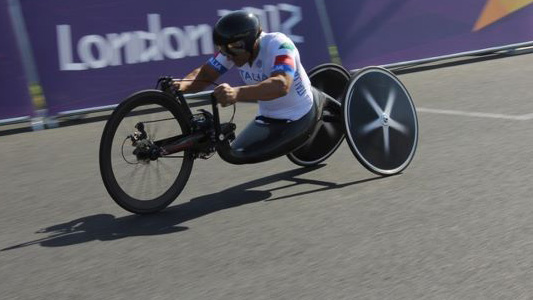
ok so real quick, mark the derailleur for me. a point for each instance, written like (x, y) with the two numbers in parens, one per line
(138, 135)
(145, 150)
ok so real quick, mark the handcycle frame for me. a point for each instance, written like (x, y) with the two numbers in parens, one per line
(217, 136)
(190, 141)
(371, 107)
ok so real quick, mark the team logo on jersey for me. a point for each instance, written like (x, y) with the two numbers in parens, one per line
(250, 76)
(287, 46)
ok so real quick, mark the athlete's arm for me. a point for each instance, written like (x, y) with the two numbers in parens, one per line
(197, 80)
(280, 81)
(277, 85)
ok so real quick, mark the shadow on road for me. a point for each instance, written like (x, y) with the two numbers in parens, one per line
(105, 227)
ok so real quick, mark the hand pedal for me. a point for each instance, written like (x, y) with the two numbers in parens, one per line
(228, 130)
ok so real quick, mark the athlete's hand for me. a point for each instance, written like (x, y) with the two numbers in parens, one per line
(177, 84)
(225, 94)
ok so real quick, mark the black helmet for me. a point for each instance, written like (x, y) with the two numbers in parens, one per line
(236, 26)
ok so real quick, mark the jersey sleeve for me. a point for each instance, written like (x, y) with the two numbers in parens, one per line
(220, 63)
(284, 53)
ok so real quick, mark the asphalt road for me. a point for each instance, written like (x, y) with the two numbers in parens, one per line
(457, 224)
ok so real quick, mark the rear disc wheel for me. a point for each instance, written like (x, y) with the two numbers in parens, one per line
(380, 121)
(330, 79)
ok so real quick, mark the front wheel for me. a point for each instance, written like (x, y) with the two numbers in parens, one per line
(138, 179)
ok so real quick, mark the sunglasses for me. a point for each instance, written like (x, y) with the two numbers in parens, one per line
(232, 49)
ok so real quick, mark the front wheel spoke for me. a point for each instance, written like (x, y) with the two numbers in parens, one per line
(132, 172)
(128, 178)
(165, 165)
(158, 176)
(144, 183)
(136, 184)
(153, 134)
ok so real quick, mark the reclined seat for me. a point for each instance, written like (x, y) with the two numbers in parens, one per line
(259, 142)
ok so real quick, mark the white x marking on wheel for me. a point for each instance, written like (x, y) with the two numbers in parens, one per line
(384, 120)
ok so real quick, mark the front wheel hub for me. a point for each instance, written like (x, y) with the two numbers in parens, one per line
(146, 151)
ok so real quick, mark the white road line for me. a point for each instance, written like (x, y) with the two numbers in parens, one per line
(475, 114)
(527, 117)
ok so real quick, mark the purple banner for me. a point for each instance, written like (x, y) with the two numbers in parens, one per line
(95, 53)
(388, 31)
(14, 96)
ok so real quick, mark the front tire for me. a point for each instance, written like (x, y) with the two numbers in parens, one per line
(144, 186)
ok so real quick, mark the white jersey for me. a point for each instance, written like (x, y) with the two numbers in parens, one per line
(277, 53)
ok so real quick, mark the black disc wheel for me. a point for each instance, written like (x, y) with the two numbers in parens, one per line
(331, 79)
(136, 176)
(380, 121)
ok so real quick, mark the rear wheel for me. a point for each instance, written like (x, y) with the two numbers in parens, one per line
(135, 175)
(380, 121)
(330, 79)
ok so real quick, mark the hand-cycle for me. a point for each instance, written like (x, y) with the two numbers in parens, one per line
(152, 138)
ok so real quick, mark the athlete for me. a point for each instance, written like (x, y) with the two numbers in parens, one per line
(270, 66)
